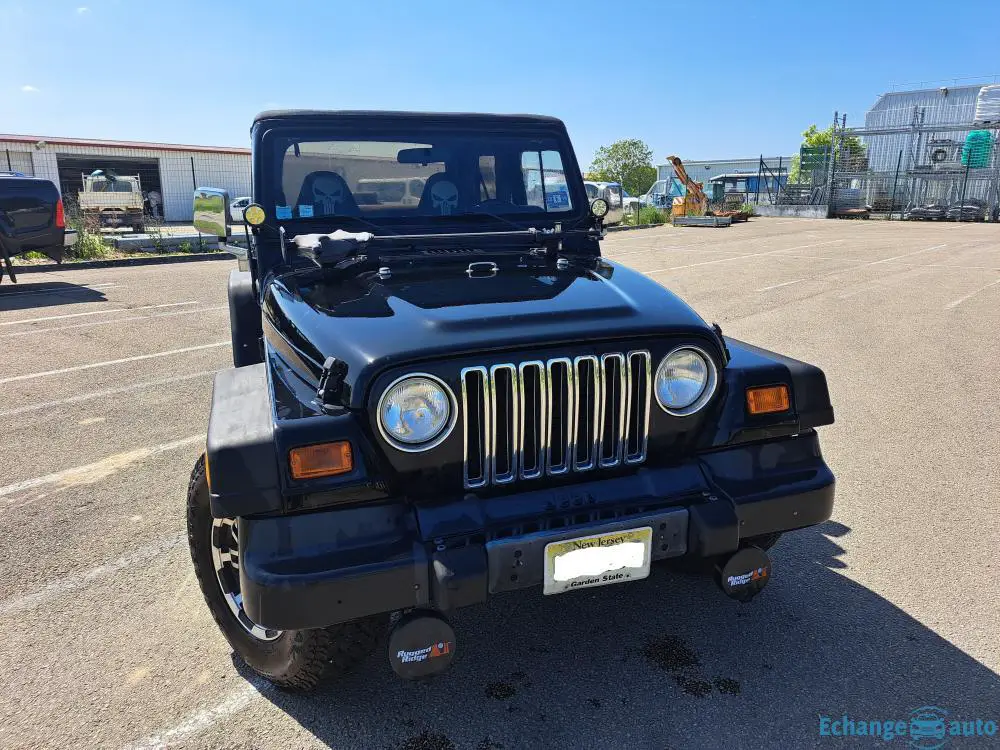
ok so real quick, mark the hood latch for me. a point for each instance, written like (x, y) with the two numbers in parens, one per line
(332, 391)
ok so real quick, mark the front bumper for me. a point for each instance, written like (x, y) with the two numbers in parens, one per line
(316, 569)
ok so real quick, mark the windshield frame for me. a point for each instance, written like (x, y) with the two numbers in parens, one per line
(270, 136)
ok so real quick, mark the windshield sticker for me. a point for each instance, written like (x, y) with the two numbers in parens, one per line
(305, 211)
(557, 199)
(283, 212)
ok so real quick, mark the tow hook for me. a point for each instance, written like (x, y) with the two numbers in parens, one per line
(744, 574)
(421, 644)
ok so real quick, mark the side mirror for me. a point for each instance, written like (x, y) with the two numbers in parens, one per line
(211, 212)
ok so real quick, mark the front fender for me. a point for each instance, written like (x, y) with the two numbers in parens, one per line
(751, 366)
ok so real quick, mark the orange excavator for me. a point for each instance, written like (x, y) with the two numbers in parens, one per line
(694, 202)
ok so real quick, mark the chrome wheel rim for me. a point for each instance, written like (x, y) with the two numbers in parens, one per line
(226, 557)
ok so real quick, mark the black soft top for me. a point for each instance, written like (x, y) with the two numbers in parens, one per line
(320, 115)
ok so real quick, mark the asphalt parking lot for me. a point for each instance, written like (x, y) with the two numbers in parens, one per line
(105, 382)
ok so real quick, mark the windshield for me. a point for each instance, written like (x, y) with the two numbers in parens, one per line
(437, 174)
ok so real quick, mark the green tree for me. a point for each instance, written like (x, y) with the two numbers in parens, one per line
(629, 161)
(813, 137)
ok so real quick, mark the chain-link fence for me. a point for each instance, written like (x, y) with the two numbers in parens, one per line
(729, 184)
(917, 163)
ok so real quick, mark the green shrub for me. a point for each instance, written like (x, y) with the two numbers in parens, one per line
(185, 247)
(89, 246)
(652, 215)
(747, 208)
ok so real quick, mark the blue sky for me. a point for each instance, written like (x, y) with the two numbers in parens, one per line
(702, 80)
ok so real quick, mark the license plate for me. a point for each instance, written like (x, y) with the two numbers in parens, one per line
(599, 560)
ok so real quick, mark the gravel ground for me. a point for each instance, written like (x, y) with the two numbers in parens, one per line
(894, 604)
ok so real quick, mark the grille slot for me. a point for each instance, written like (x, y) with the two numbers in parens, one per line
(505, 407)
(639, 384)
(537, 418)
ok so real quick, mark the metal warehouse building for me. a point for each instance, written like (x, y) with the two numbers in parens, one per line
(168, 172)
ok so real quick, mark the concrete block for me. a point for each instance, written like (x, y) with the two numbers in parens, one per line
(799, 212)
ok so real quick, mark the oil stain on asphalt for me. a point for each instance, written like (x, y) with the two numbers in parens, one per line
(672, 655)
(428, 741)
(502, 691)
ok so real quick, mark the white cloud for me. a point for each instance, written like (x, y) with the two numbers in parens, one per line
(29, 89)
(82, 10)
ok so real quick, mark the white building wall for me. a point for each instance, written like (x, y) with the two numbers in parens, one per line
(211, 169)
(178, 187)
(18, 161)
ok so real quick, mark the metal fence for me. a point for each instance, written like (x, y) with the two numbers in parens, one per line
(921, 164)
(730, 184)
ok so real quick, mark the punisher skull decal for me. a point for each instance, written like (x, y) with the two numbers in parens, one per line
(327, 193)
(444, 197)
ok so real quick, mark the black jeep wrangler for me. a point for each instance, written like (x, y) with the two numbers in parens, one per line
(443, 393)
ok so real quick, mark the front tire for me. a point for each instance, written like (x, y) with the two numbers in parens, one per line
(293, 659)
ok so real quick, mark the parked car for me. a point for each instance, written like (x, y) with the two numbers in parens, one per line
(972, 209)
(402, 192)
(433, 405)
(931, 211)
(237, 207)
(31, 218)
(612, 193)
(660, 195)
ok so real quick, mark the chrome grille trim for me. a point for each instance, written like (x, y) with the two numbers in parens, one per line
(588, 433)
(566, 439)
(526, 420)
(484, 435)
(533, 373)
(616, 399)
(509, 443)
(640, 379)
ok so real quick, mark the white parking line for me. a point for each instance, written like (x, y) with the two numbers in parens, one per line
(96, 312)
(33, 331)
(778, 286)
(89, 473)
(110, 362)
(59, 290)
(852, 268)
(80, 397)
(739, 257)
(970, 295)
(631, 239)
(200, 721)
(76, 581)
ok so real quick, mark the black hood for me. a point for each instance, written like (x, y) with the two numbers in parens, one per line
(372, 324)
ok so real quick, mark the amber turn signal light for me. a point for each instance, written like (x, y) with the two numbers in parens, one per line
(322, 460)
(767, 399)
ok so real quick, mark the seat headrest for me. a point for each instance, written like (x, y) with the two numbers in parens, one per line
(440, 196)
(328, 194)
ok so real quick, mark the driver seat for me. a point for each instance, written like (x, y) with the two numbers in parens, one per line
(328, 194)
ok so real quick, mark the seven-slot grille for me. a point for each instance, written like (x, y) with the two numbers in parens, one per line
(538, 418)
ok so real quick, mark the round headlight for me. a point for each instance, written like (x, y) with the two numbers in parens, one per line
(416, 412)
(685, 381)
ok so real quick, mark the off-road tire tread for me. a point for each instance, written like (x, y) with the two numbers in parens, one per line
(316, 655)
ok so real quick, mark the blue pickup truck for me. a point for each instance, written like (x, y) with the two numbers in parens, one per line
(31, 218)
